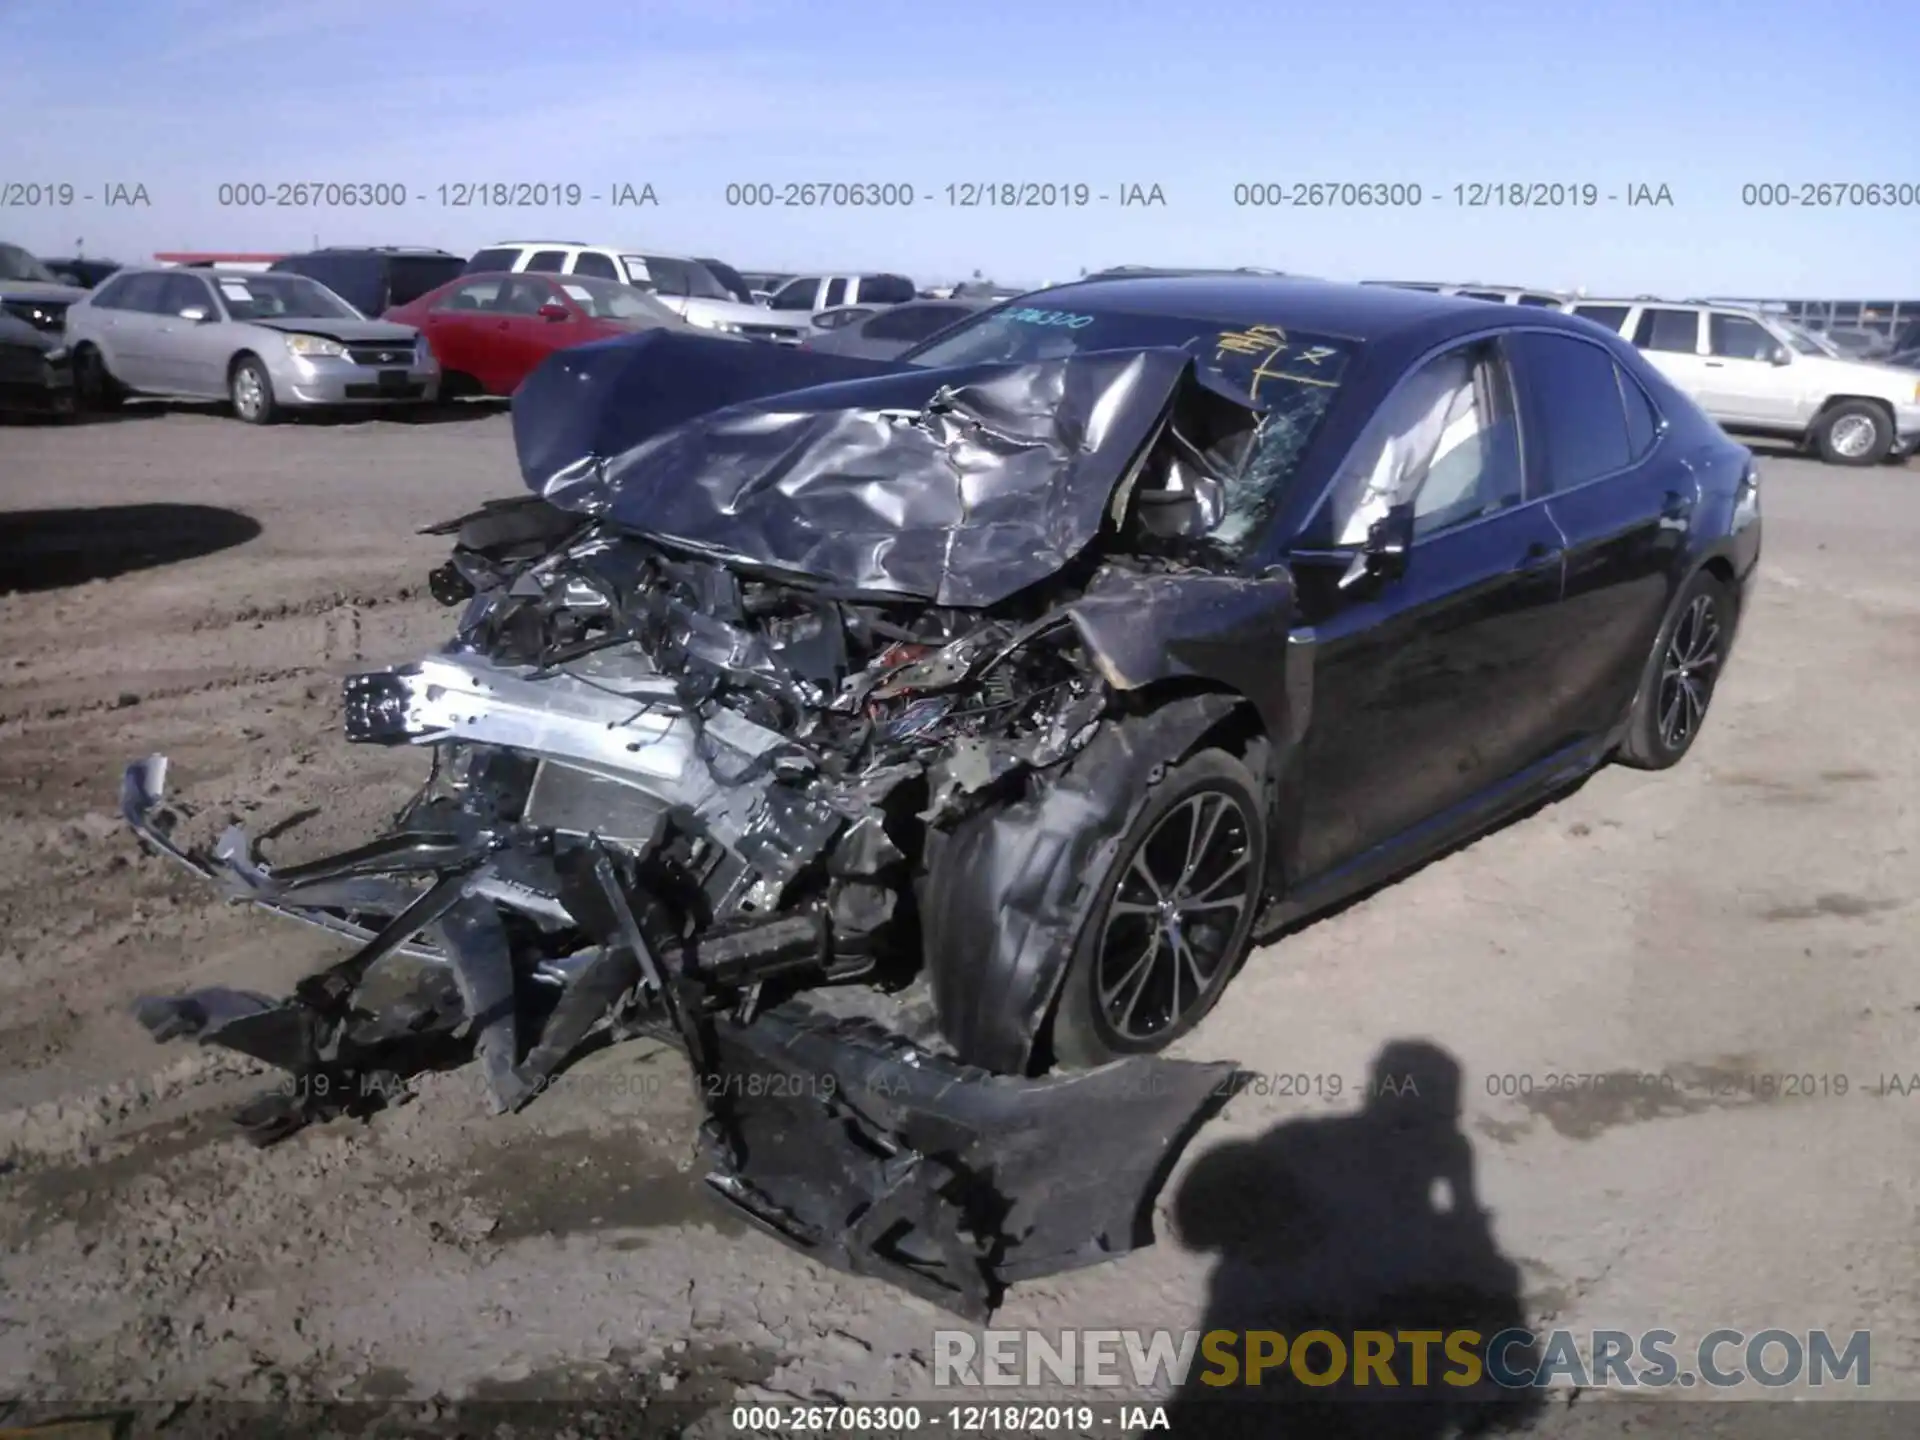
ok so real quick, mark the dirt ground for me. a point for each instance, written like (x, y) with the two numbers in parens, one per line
(1742, 928)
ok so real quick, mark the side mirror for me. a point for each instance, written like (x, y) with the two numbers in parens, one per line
(554, 311)
(196, 313)
(1781, 355)
(1384, 555)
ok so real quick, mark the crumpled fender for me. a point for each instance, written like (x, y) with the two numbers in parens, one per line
(1008, 890)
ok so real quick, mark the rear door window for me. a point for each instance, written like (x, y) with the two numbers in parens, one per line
(836, 293)
(548, 262)
(1576, 409)
(591, 262)
(1675, 332)
(474, 295)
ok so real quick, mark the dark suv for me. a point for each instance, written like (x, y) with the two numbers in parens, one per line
(373, 280)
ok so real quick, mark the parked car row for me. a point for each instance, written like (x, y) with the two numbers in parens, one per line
(302, 332)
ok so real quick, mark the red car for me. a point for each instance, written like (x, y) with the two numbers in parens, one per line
(489, 331)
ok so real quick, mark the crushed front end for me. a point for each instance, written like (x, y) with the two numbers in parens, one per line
(691, 795)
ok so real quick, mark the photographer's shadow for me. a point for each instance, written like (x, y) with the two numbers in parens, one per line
(1364, 1221)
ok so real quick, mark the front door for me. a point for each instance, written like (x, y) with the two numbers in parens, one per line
(1423, 691)
(1741, 383)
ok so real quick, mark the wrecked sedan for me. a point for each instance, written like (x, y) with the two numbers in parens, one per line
(922, 744)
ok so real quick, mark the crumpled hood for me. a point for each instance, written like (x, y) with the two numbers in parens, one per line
(956, 486)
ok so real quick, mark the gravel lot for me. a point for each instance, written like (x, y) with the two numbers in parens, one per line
(1746, 916)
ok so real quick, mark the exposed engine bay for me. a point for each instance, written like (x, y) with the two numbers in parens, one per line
(789, 731)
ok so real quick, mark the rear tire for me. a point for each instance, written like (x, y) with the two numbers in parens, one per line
(1170, 926)
(1853, 432)
(1677, 685)
(251, 390)
(95, 387)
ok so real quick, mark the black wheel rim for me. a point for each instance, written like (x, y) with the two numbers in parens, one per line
(1174, 917)
(1687, 671)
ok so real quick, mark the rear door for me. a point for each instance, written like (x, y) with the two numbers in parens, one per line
(1425, 691)
(132, 338)
(462, 328)
(1674, 340)
(1625, 501)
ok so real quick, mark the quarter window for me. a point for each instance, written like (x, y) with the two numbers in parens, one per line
(1643, 421)
(1675, 332)
(113, 294)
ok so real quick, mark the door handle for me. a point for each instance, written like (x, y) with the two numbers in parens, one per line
(1716, 364)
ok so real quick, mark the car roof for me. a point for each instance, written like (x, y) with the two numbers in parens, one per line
(1357, 312)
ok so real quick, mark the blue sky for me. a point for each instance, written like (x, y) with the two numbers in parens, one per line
(1700, 96)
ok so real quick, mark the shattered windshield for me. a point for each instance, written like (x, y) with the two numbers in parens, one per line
(1289, 376)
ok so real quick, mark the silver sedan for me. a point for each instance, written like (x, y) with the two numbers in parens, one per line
(265, 342)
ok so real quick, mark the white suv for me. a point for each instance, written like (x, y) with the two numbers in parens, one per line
(681, 283)
(1495, 294)
(809, 294)
(1757, 373)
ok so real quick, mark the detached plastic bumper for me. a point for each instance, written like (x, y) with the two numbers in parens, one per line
(851, 1144)
(878, 1158)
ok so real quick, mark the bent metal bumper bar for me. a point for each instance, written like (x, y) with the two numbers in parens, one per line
(855, 1146)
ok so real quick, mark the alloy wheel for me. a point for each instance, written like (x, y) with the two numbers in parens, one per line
(1171, 924)
(1687, 672)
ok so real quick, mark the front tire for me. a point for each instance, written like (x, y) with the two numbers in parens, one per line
(251, 390)
(96, 387)
(1678, 683)
(1173, 919)
(1853, 432)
